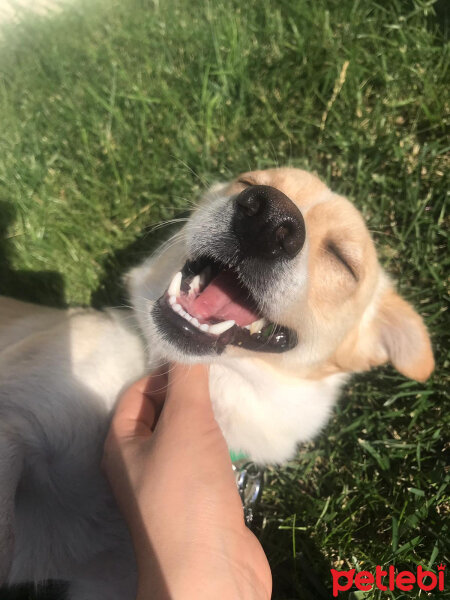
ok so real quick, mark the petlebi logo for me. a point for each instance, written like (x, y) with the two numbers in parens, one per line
(388, 579)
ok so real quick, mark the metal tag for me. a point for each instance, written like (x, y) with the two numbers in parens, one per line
(250, 482)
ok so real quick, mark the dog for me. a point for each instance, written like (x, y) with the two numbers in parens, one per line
(273, 281)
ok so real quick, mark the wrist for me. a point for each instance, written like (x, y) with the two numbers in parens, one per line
(201, 582)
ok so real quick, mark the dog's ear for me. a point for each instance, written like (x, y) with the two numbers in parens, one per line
(404, 337)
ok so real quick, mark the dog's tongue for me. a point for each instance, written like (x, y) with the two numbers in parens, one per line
(224, 299)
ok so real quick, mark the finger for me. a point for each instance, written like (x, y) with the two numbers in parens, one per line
(139, 407)
(188, 400)
(188, 417)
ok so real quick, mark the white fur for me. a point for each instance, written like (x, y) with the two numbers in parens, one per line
(282, 412)
(60, 375)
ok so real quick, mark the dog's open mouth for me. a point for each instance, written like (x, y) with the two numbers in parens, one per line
(207, 307)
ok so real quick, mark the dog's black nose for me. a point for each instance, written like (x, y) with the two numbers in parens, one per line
(268, 224)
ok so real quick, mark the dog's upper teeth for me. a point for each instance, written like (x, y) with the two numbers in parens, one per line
(220, 328)
(194, 288)
(256, 326)
(175, 285)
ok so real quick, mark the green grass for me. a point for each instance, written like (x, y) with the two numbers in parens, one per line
(116, 116)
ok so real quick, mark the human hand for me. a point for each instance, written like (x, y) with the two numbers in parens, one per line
(170, 471)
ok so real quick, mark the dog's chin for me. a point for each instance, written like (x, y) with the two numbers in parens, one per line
(207, 307)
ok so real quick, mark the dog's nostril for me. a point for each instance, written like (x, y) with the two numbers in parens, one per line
(249, 204)
(289, 238)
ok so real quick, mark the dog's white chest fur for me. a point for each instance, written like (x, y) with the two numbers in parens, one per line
(264, 417)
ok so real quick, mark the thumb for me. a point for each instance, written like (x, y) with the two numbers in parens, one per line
(139, 406)
(188, 400)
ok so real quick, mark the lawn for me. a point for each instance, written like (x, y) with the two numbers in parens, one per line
(116, 115)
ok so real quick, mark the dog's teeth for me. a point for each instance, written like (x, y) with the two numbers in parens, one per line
(220, 328)
(177, 308)
(195, 322)
(172, 300)
(257, 326)
(204, 327)
(175, 284)
(194, 288)
(188, 317)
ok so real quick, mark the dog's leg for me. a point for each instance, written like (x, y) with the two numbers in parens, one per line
(11, 462)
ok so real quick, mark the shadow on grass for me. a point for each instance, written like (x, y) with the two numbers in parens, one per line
(42, 287)
(442, 17)
(308, 573)
(309, 570)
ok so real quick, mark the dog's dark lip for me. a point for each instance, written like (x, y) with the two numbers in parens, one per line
(181, 333)
(177, 330)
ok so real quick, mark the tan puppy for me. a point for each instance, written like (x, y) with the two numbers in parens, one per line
(274, 281)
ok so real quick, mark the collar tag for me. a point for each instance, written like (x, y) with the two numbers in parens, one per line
(249, 481)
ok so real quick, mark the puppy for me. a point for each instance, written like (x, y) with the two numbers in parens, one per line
(274, 282)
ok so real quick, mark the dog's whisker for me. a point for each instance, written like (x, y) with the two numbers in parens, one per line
(167, 223)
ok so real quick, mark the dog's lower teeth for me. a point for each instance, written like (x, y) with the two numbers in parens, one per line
(220, 328)
(204, 327)
(175, 285)
(257, 325)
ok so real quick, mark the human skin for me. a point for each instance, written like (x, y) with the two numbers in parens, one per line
(170, 471)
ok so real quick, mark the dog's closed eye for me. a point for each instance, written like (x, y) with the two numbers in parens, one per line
(246, 182)
(340, 257)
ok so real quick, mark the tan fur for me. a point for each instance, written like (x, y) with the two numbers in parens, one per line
(404, 337)
(363, 321)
